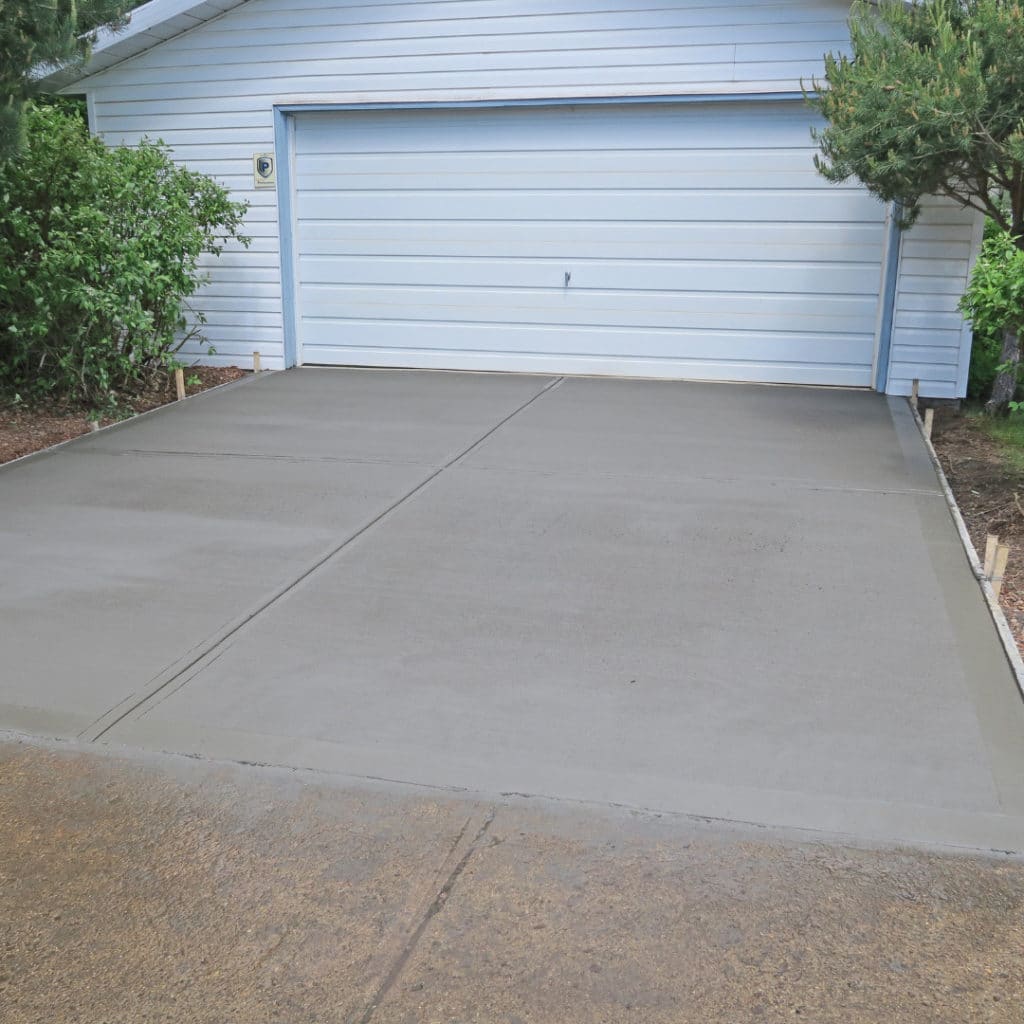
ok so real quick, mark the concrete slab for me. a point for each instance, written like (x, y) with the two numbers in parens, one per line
(665, 636)
(821, 437)
(423, 418)
(125, 551)
(734, 602)
(116, 566)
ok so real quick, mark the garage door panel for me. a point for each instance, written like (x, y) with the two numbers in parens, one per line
(442, 238)
(678, 175)
(845, 243)
(578, 341)
(628, 128)
(639, 276)
(350, 167)
(767, 324)
(617, 205)
(776, 313)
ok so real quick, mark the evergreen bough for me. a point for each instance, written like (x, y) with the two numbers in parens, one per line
(932, 103)
(39, 35)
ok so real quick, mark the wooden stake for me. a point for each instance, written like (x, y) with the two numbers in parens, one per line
(915, 387)
(991, 543)
(1002, 557)
(179, 382)
(929, 421)
(255, 362)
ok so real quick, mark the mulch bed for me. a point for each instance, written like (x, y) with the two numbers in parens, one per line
(989, 489)
(25, 429)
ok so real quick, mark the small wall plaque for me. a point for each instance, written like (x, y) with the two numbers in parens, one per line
(264, 170)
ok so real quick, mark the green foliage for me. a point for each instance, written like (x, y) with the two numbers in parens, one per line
(932, 103)
(987, 347)
(99, 249)
(1008, 431)
(986, 352)
(994, 302)
(43, 33)
(994, 299)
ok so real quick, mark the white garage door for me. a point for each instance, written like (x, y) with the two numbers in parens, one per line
(669, 240)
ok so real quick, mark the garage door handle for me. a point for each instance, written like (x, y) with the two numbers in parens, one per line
(568, 277)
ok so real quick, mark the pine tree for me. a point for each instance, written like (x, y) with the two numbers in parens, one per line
(36, 34)
(932, 103)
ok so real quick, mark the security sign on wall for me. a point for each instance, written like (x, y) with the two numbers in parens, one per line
(264, 170)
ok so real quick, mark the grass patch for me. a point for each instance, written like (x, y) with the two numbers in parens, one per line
(1008, 432)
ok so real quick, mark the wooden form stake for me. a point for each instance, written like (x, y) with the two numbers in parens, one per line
(915, 387)
(1002, 557)
(991, 545)
(256, 362)
(179, 382)
(929, 422)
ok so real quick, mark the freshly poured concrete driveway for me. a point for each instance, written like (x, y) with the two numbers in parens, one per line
(736, 602)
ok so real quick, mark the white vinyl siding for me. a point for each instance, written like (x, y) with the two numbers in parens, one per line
(487, 47)
(209, 93)
(930, 340)
(443, 239)
(210, 90)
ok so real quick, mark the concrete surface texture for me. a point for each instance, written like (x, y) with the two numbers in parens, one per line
(169, 890)
(735, 602)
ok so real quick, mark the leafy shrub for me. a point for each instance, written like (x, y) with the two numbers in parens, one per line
(99, 250)
(995, 302)
(985, 354)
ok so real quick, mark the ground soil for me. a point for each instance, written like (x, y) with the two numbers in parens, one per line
(989, 489)
(28, 428)
(172, 890)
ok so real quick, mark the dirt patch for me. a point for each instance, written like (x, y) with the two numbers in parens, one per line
(25, 429)
(989, 488)
(176, 891)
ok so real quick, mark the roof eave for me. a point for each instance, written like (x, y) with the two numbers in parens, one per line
(148, 26)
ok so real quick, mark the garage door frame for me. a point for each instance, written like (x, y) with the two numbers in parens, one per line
(284, 147)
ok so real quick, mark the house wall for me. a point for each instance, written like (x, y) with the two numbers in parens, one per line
(209, 93)
(930, 340)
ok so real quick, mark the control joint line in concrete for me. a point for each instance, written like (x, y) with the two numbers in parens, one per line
(100, 727)
(72, 444)
(436, 904)
(257, 456)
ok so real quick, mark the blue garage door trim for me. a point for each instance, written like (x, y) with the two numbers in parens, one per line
(450, 246)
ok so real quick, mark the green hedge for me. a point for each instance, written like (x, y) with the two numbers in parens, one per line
(993, 300)
(100, 249)
(985, 353)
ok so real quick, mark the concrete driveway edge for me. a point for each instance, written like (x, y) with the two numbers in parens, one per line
(1010, 648)
(120, 424)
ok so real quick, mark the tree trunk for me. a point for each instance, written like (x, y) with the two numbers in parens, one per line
(1005, 385)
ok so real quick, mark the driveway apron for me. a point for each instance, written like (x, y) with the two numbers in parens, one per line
(729, 601)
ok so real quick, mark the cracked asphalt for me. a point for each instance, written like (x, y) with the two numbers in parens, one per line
(144, 887)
